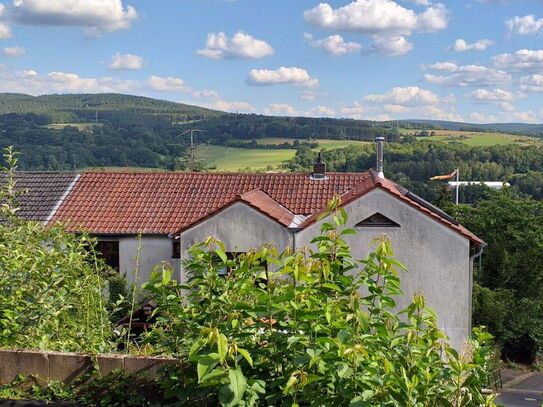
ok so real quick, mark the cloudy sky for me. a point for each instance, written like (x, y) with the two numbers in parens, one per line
(466, 60)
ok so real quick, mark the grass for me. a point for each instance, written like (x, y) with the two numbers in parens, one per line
(233, 159)
(475, 139)
(324, 143)
(80, 126)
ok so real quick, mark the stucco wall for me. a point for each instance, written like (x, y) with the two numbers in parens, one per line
(240, 227)
(154, 250)
(436, 256)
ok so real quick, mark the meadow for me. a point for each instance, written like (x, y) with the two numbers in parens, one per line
(477, 139)
(233, 159)
(80, 126)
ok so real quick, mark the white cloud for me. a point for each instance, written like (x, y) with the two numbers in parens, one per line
(527, 25)
(396, 108)
(411, 95)
(442, 66)
(5, 31)
(126, 62)
(173, 84)
(373, 17)
(496, 95)
(309, 95)
(391, 45)
(229, 106)
(355, 111)
(434, 112)
(320, 111)
(467, 75)
(13, 52)
(240, 45)
(32, 83)
(385, 21)
(420, 2)
(297, 76)
(95, 16)
(532, 83)
(461, 45)
(334, 44)
(479, 117)
(524, 60)
(280, 109)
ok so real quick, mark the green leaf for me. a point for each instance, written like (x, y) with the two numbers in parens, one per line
(231, 394)
(196, 347)
(342, 369)
(246, 355)
(358, 401)
(222, 344)
(205, 364)
(222, 255)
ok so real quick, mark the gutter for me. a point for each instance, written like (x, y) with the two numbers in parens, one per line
(472, 258)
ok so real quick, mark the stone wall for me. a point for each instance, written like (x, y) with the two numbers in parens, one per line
(67, 367)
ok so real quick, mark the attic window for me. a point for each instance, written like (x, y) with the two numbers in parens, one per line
(377, 220)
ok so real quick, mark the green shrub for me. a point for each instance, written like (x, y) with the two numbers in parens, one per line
(304, 335)
(50, 283)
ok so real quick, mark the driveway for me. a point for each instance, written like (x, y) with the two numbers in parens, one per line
(525, 390)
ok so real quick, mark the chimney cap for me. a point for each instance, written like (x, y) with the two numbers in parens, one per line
(319, 169)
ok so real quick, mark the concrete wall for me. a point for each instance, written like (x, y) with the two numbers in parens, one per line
(241, 228)
(154, 250)
(436, 256)
(67, 367)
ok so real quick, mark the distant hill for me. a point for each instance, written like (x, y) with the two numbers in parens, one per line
(520, 128)
(82, 107)
(66, 132)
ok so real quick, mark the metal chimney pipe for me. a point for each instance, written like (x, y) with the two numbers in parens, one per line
(380, 142)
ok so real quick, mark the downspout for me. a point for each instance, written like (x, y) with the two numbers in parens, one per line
(472, 259)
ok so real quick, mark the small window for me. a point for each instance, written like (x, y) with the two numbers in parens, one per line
(377, 220)
(176, 250)
(109, 251)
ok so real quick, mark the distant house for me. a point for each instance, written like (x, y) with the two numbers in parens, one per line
(171, 211)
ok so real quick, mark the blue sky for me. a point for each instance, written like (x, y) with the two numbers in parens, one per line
(476, 61)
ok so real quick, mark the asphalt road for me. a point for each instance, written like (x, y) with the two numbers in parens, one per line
(524, 391)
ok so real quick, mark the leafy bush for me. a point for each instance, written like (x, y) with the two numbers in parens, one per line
(320, 330)
(50, 283)
(510, 300)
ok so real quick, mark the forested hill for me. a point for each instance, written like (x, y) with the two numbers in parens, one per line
(66, 132)
(82, 108)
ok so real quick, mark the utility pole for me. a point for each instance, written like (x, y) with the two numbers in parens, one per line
(191, 140)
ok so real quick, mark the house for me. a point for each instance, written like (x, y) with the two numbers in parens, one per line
(161, 214)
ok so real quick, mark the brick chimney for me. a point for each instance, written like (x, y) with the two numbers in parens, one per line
(319, 168)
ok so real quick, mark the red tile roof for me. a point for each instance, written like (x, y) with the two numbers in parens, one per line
(164, 202)
(169, 202)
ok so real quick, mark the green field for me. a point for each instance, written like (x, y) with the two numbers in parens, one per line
(324, 143)
(233, 159)
(476, 138)
(80, 126)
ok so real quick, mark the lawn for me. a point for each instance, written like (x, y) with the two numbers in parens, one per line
(233, 159)
(476, 138)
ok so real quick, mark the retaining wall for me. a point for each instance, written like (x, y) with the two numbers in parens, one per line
(67, 367)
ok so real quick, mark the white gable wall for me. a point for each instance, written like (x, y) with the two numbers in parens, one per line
(154, 250)
(436, 256)
(240, 227)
